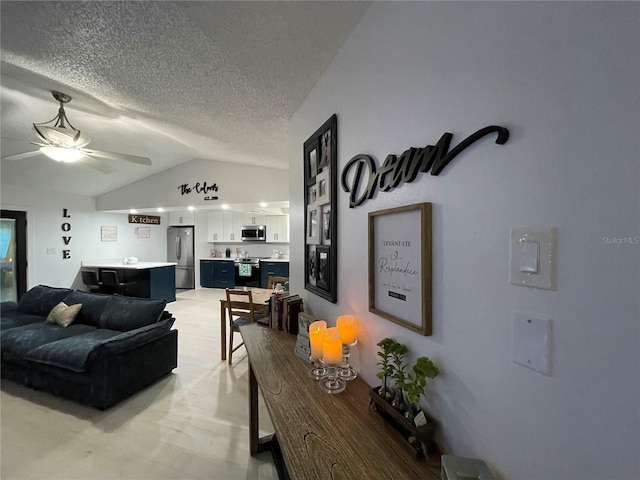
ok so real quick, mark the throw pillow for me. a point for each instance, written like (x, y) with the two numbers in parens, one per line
(63, 314)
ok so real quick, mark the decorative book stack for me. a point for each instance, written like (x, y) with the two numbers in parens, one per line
(284, 312)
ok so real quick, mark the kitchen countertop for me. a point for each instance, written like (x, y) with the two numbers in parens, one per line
(135, 266)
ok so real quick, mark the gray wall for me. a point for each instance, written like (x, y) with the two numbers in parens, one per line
(563, 77)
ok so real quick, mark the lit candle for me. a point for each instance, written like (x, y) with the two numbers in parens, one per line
(316, 329)
(332, 346)
(347, 326)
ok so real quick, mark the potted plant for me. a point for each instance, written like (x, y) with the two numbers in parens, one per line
(398, 352)
(415, 382)
(399, 405)
(386, 367)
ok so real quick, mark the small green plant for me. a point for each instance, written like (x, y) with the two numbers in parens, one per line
(393, 365)
(415, 383)
(398, 352)
(386, 367)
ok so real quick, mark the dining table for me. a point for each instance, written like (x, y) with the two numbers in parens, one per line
(260, 297)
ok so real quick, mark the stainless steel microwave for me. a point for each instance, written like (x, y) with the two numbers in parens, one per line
(254, 233)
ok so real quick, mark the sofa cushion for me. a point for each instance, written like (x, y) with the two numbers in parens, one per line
(70, 353)
(17, 319)
(41, 299)
(77, 353)
(8, 307)
(132, 339)
(63, 314)
(92, 306)
(17, 342)
(127, 313)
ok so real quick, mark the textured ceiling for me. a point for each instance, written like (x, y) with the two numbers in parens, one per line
(172, 81)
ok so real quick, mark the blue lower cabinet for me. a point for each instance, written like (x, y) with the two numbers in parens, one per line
(272, 269)
(224, 274)
(217, 273)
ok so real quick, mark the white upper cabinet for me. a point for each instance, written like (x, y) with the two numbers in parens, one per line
(277, 228)
(233, 226)
(253, 219)
(215, 226)
(181, 217)
(224, 227)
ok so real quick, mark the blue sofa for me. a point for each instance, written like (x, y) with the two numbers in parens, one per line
(115, 346)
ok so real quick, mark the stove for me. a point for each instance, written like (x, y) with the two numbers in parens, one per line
(247, 277)
(250, 260)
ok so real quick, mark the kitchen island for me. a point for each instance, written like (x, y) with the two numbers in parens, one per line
(155, 280)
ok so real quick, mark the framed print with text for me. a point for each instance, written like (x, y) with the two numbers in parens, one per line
(400, 282)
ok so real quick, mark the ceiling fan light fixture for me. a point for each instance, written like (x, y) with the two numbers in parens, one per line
(61, 136)
(62, 154)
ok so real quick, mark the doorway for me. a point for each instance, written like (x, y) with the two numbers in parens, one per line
(13, 255)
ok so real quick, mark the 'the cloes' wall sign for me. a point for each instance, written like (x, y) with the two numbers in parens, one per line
(210, 191)
(414, 160)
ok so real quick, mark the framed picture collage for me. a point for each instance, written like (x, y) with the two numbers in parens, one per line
(320, 213)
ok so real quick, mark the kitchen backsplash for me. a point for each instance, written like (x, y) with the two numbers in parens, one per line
(253, 249)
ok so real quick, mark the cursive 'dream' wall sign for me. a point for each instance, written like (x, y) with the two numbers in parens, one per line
(405, 169)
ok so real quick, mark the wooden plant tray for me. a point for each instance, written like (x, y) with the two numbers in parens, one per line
(418, 439)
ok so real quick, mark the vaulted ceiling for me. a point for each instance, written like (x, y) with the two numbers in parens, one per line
(172, 81)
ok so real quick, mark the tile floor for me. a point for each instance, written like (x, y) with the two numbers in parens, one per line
(192, 424)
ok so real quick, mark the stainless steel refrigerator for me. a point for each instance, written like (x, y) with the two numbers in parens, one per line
(180, 251)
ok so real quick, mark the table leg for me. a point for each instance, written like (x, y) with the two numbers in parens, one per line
(256, 444)
(254, 440)
(223, 329)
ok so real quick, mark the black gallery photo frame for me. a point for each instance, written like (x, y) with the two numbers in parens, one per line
(320, 163)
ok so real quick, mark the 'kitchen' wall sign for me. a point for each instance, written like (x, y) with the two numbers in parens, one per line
(144, 219)
(414, 160)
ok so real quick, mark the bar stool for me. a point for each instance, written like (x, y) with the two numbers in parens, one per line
(90, 280)
(112, 283)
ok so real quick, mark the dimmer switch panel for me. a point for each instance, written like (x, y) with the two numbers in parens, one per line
(533, 257)
(531, 342)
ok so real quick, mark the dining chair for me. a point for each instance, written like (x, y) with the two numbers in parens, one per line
(112, 284)
(90, 280)
(240, 311)
(273, 281)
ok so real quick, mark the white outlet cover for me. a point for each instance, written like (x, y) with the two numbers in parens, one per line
(533, 257)
(531, 342)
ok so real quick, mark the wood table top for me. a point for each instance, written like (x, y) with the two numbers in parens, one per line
(326, 436)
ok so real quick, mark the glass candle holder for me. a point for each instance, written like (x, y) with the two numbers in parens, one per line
(332, 383)
(316, 332)
(346, 371)
(332, 358)
(347, 326)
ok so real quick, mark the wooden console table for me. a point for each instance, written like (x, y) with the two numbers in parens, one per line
(321, 436)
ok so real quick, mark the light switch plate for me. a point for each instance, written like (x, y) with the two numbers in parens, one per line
(531, 342)
(533, 257)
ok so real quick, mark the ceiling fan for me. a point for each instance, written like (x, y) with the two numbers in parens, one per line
(62, 142)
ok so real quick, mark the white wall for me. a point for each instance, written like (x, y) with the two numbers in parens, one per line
(44, 232)
(563, 77)
(236, 184)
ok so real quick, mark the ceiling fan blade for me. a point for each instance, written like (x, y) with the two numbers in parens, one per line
(98, 164)
(20, 156)
(118, 156)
